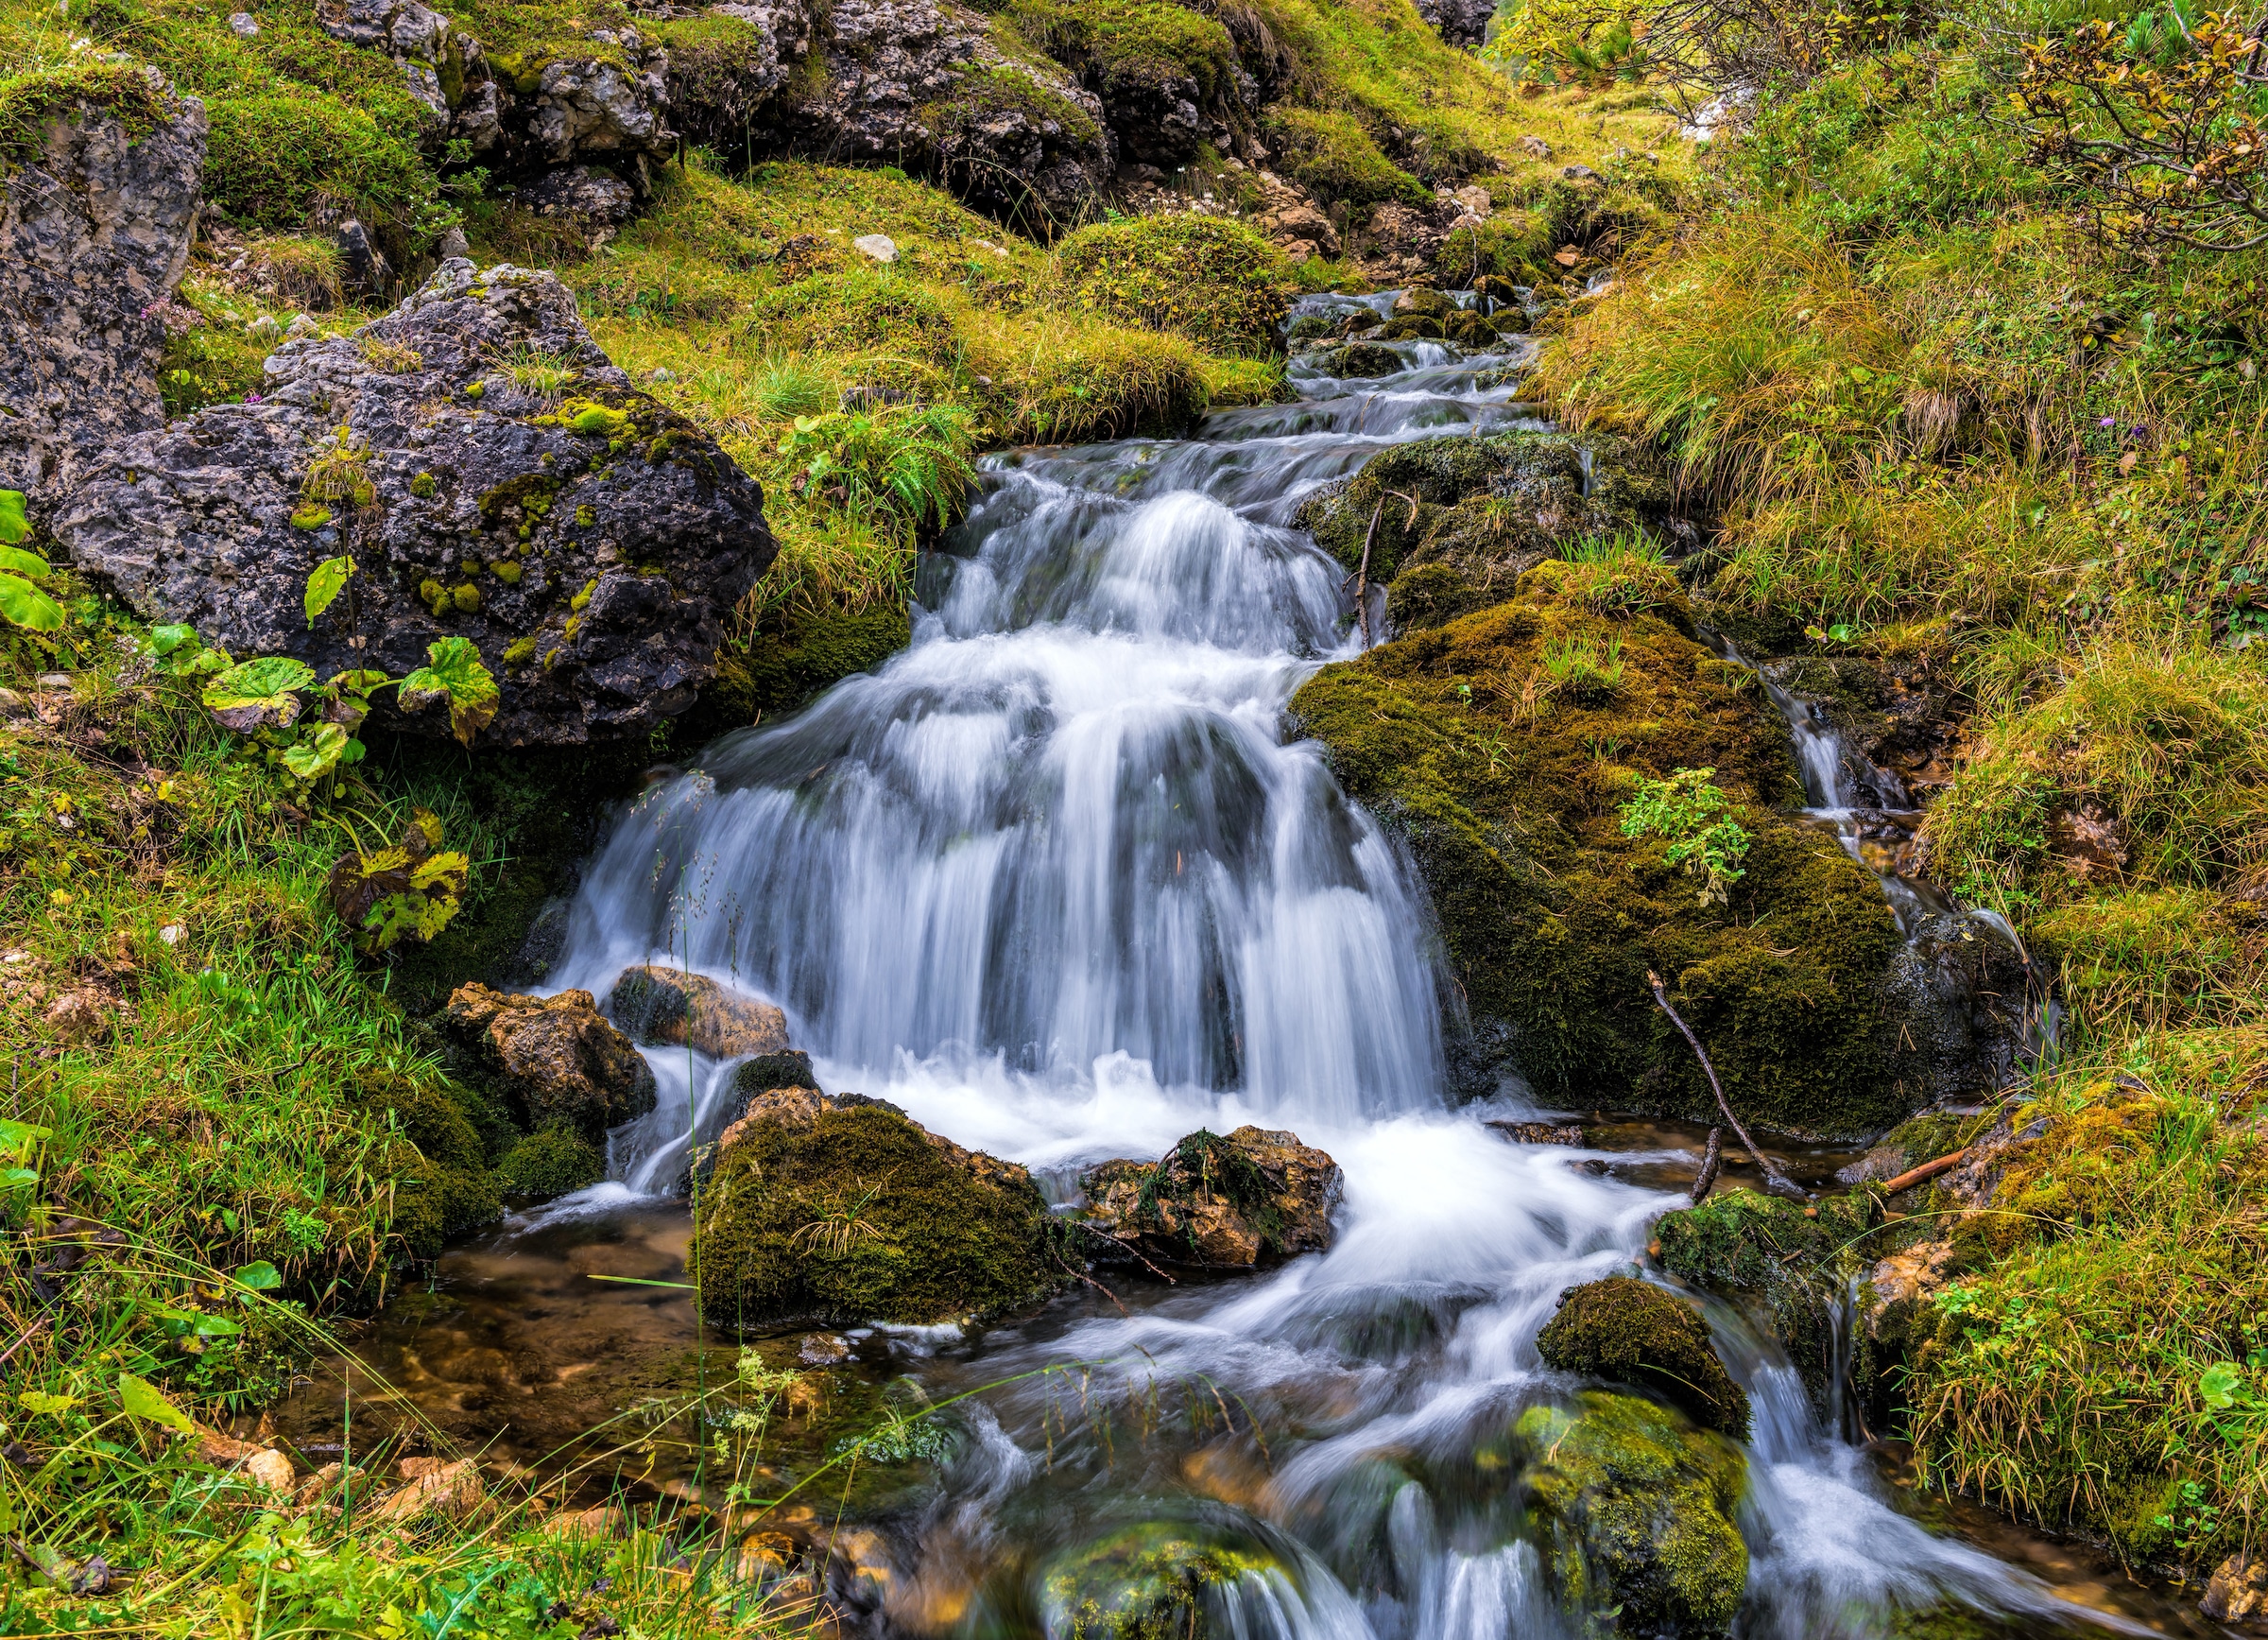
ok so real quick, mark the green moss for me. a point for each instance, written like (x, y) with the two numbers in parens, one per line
(30, 103)
(550, 1162)
(1796, 1263)
(1217, 283)
(1637, 1510)
(424, 487)
(980, 93)
(310, 515)
(924, 1240)
(443, 1189)
(1331, 155)
(1151, 1581)
(1632, 1331)
(1429, 594)
(520, 651)
(777, 675)
(864, 308)
(269, 156)
(717, 65)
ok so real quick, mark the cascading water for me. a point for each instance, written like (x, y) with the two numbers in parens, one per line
(1053, 881)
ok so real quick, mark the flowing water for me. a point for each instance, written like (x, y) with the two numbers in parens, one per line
(1054, 881)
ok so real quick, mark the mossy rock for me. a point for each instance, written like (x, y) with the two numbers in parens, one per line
(270, 156)
(550, 1162)
(1799, 1262)
(1632, 1331)
(1429, 594)
(1635, 1511)
(1158, 1581)
(1216, 282)
(1508, 795)
(843, 1211)
(1361, 359)
(1330, 153)
(442, 1183)
(778, 673)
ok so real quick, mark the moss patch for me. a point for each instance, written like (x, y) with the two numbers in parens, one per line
(860, 1217)
(268, 157)
(1334, 157)
(550, 1162)
(30, 103)
(1217, 283)
(1637, 1509)
(1632, 1331)
(445, 1189)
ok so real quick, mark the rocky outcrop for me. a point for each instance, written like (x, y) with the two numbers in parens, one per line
(1459, 22)
(837, 1210)
(1256, 1197)
(95, 234)
(492, 476)
(556, 1059)
(1632, 1331)
(923, 83)
(664, 1006)
(1637, 1513)
(1290, 218)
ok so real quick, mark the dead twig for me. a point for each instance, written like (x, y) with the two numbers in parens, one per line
(1913, 1176)
(1774, 1181)
(1710, 1160)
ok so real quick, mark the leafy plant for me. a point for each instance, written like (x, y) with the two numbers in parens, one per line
(22, 603)
(905, 468)
(1585, 671)
(413, 887)
(1696, 817)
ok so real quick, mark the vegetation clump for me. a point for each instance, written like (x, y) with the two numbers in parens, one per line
(1221, 284)
(1632, 1331)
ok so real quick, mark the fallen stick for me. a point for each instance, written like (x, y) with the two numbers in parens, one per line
(1774, 1181)
(1913, 1176)
(1710, 1160)
(1362, 576)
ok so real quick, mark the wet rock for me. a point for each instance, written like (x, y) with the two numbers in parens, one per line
(1290, 218)
(768, 1073)
(1632, 1331)
(1361, 359)
(550, 1162)
(1637, 1509)
(585, 539)
(1161, 1577)
(2237, 1589)
(556, 1058)
(1799, 1261)
(1960, 994)
(94, 235)
(1255, 1197)
(838, 1209)
(1538, 1133)
(823, 1349)
(665, 1005)
(453, 1490)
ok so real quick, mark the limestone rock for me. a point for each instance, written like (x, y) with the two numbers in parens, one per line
(1632, 1331)
(93, 235)
(721, 88)
(555, 1056)
(2237, 1589)
(837, 1210)
(1459, 22)
(1637, 1511)
(922, 83)
(596, 201)
(1291, 218)
(499, 481)
(453, 1490)
(1256, 1196)
(662, 1005)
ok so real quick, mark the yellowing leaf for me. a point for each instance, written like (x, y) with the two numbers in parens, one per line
(324, 584)
(141, 1399)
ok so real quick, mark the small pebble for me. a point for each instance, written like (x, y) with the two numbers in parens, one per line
(243, 25)
(173, 933)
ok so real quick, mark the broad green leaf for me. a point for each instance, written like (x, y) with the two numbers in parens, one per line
(2220, 1383)
(18, 1178)
(453, 672)
(219, 1327)
(141, 1399)
(164, 640)
(23, 564)
(259, 694)
(27, 607)
(446, 871)
(316, 753)
(360, 681)
(15, 525)
(16, 1135)
(46, 1406)
(324, 585)
(262, 1277)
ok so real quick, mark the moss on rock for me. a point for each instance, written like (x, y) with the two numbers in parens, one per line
(1152, 1582)
(1506, 786)
(778, 673)
(444, 1188)
(550, 1162)
(1331, 154)
(1636, 1508)
(1797, 1262)
(844, 1211)
(269, 156)
(1217, 283)
(1632, 1331)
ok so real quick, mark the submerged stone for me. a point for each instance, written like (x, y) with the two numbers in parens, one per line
(1160, 1580)
(1632, 1331)
(841, 1209)
(1635, 1509)
(1256, 1197)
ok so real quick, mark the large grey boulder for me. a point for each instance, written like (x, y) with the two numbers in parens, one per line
(493, 475)
(94, 235)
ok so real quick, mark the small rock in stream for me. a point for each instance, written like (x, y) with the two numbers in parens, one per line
(662, 1005)
(1258, 1196)
(1538, 1133)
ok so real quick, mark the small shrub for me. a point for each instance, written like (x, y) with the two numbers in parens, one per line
(1688, 811)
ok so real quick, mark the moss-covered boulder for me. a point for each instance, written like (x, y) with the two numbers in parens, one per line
(1217, 283)
(1795, 1261)
(1359, 358)
(1504, 746)
(550, 1162)
(1256, 1196)
(1632, 1331)
(783, 667)
(1634, 1508)
(1158, 1581)
(444, 1188)
(841, 1210)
